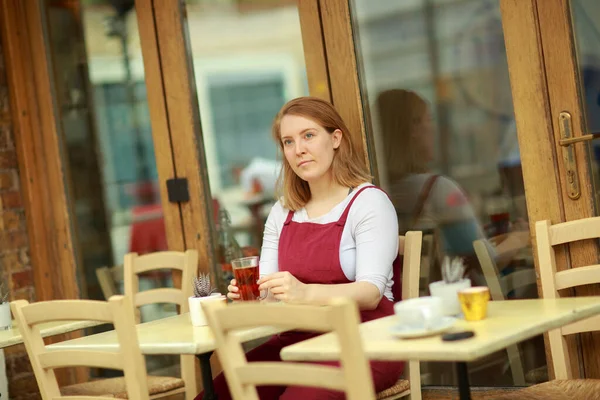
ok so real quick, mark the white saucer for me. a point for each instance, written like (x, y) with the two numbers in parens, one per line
(406, 332)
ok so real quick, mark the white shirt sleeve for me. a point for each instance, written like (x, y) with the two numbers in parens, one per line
(270, 246)
(374, 226)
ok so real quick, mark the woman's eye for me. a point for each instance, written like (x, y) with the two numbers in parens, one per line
(309, 135)
(287, 142)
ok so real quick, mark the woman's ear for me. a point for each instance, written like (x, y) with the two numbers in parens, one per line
(336, 136)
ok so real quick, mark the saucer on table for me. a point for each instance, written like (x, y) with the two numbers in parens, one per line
(407, 331)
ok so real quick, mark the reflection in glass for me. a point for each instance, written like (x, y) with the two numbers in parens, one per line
(434, 76)
(248, 61)
(105, 126)
(586, 31)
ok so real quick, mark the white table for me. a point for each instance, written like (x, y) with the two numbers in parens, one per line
(12, 336)
(172, 335)
(508, 322)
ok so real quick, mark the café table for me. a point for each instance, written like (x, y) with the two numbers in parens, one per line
(11, 337)
(172, 335)
(508, 322)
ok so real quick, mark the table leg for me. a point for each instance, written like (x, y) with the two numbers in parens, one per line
(206, 371)
(463, 381)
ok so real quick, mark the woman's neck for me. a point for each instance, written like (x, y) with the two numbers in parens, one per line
(325, 189)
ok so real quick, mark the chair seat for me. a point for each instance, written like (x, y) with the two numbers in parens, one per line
(569, 389)
(116, 387)
(400, 389)
(537, 375)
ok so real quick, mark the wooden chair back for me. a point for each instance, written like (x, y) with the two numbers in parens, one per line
(187, 263)
(117, 311)
(499, 289)
(409, 247)
(341, 317)
(109, 278)
(552, 281)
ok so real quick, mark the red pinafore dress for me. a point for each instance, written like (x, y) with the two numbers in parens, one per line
(311, 252)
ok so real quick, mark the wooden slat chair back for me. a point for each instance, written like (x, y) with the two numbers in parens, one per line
(187, 263)
(499, 288)
(341, 317)
(109, 279)
(409, 246)
(548, 236)
(117, 311)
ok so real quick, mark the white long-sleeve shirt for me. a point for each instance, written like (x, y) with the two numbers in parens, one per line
(369, 241)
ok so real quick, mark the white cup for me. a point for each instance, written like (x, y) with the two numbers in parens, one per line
(419, 313)
(448, 293)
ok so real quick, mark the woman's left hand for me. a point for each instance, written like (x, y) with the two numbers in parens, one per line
(283, 286)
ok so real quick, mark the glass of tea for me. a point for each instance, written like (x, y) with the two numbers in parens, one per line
(245, 272)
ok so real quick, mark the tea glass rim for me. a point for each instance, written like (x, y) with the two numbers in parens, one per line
(241, 262)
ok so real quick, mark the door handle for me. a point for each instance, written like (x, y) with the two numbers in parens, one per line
(567, 141)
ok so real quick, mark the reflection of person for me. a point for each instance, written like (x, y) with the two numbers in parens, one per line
(331, 234)
(423, 200)
(148, 232)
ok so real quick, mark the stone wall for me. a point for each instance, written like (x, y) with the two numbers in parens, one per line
(15, 266)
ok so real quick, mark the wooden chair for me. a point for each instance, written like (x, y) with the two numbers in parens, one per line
(409, 246)
(341, 317)
(548, 236)
(552, 281)
(499, 288)
(118, 311)
(108, 278)
(187, 263)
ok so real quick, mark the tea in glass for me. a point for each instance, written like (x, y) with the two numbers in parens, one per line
(245, 271)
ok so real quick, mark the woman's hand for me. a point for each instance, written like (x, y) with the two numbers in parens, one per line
(283, 286)
(232, 290)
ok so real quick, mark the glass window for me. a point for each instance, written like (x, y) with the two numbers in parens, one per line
(106, 130)
(434, 78)
(248, 61)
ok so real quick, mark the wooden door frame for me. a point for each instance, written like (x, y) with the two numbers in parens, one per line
(562, 74)
(536, 130)
(42, 169)
(343, 67)
(39, 149)
(173, 59)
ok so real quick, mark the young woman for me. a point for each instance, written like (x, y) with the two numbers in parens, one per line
(331, 234)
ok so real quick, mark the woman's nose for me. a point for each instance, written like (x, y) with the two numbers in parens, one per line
(300, 148)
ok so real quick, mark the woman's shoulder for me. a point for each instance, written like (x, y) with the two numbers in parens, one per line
(372, 198)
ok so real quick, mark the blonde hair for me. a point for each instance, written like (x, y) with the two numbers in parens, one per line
(348, 166)
(399, 112)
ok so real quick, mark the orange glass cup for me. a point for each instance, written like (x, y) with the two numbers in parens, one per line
(473, 302)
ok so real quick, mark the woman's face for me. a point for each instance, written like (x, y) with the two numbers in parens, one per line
(308, 147)
(423, 134)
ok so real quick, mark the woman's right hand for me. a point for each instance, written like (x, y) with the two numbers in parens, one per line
(232, 290)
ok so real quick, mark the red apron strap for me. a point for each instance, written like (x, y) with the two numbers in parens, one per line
(289, 217)
(342, 220)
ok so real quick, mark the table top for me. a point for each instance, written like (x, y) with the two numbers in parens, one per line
(172, 335)
(508, 322)
(13, 336)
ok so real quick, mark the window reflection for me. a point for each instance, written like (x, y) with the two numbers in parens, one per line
(586, 32)
(434, 77)
(106, 130)
(248, 61)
